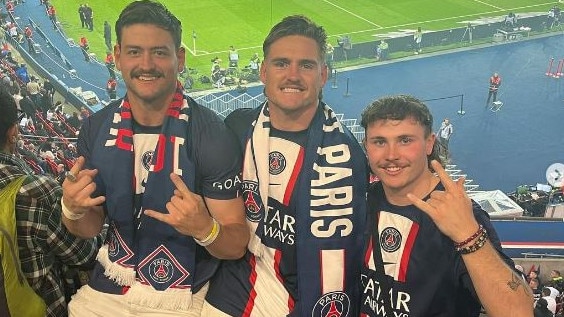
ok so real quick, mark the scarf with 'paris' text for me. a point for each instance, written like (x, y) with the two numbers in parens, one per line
(330, 210)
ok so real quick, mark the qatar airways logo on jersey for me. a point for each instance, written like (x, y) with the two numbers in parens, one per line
(373, 298)
(280, 226)
(331, 203)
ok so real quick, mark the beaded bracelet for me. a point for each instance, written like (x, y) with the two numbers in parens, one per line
(472, 237)
(212, 236)
(478, 244)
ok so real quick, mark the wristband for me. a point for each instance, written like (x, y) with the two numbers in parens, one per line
(477, 245)
(459, 245)
(69, 214)
(212, 236)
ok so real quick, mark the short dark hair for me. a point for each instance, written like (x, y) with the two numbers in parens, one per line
(9, 112)
(149, 12)
(400, 107)
(296, 25)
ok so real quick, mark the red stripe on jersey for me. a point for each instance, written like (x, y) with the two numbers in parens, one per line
(253, 293)
(294, 177)
(368, 253)
(402, 274)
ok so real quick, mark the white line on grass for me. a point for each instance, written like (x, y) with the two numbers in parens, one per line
(351, 13)
(380, 28)
(491, 5)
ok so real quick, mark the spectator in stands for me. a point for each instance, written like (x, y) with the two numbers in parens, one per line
(556, 280)
(13, 30)
(45, 246)
(61, 173)
(33, 88)
(74, 120)
(52, 13)
(84, 113)
(108, 36)
(111, 88)
(110, 65)
(173, 228)
(48, 86)
(275, 278)
(45, 102)
(534, 274)
(551, 301)
(10, 6)
(541, 309)
(27, 105)
(22, 73)
(451, 253)
(83, 43)
(535, 287)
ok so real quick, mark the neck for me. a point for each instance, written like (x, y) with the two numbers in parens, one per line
(425, 185)
(149, 114)
(292, 121)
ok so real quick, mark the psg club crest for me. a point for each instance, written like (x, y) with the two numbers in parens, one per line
(390, 239)
(161, 270)
(253, 202)
(146, 159)
(334, 304)
(276, 163)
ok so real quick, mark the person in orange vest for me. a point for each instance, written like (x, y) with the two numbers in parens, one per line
(110, 64)
(111, 87)
(84, 47)
(495, 82)
(52, 13)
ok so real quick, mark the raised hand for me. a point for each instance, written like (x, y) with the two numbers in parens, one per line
(187, 212)
(78, 188)
(451, 209)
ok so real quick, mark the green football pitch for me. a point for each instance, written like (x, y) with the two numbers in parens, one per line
(217, 24)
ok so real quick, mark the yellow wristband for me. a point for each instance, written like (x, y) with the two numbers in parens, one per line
(69, 214)
(214, 233)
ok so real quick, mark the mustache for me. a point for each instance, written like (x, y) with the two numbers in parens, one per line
(148, 73)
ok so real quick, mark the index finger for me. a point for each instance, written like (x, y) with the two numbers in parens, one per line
(78, 165)
(179, 184)
(447, 182)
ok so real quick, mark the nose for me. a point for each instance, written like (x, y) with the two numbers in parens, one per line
(293, 70)
(146, 61)
(391, 152)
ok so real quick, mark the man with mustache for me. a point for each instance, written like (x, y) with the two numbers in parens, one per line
(304, 187)
(430, 251)
(163, 173)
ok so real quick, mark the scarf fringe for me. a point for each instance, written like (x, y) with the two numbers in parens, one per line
(123, 276)
(169, 299)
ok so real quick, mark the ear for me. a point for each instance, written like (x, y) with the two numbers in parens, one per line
(263, 72)
(430, 143)
(181, 55)
(117, 55)
(12, 134)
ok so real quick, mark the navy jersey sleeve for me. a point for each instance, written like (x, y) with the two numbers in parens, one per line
(217, 155)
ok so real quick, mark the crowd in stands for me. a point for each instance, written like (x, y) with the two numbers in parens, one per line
(548, 293)
(47, 132)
